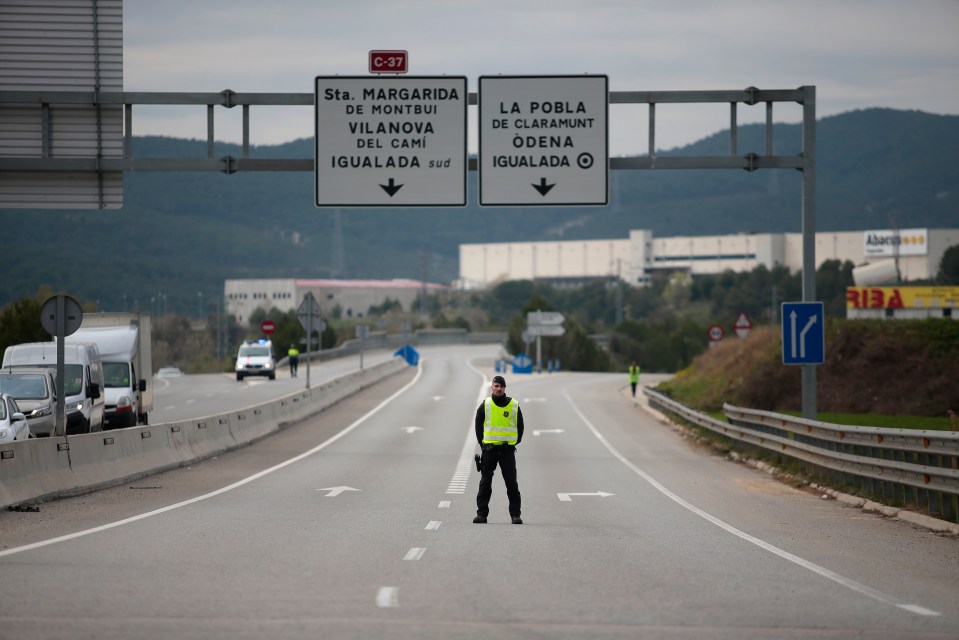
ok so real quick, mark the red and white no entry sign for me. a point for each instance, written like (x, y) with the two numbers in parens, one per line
(267, 327)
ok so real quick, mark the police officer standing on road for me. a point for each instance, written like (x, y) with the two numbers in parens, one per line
(294, 355)
(499, 428)
(634, 376)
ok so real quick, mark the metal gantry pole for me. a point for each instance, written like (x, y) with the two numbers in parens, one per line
(809, 236)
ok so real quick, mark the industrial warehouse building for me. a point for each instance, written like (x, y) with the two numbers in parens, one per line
(913, 254)
(877, 254)
(352, 298)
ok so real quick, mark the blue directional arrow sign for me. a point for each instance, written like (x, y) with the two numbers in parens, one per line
(804, 335)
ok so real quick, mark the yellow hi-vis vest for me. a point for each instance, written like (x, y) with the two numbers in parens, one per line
(633, 374)
(500, 424)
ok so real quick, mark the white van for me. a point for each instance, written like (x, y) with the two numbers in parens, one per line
(82, 380)
(255, 358)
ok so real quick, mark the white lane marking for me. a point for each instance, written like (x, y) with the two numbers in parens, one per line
(536, 432)
(387, 597)
(415, 553)
(464, 464)
(190, 400)
(412, 429)
(806, 564)
(433, 525)
(235, 485)
(444, 504)
(534, 399)
(437, 398)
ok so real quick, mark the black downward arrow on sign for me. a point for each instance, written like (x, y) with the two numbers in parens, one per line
(542, 187)
(392, 187)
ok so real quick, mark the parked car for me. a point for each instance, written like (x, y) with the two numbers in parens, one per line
(34, 389)
(13, 424)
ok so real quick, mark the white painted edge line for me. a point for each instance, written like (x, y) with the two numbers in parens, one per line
(387, 597)
(806, 564)
(415, 553)
(235, 485)
(433, 525)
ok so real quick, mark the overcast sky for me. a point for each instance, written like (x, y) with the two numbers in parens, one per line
(858, 53)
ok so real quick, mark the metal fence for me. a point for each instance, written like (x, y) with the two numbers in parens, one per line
(893, 466)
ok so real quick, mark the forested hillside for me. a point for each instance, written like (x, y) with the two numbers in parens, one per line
(180, 235)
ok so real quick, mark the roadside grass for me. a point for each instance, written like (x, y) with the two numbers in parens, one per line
(857, 389)
(931, 423)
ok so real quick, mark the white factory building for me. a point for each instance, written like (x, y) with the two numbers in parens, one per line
(350, 298)
(877, 253)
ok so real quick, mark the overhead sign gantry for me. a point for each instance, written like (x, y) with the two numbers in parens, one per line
(390, 141)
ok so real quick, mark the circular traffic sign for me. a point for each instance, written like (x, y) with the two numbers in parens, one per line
(716, 333)
(72, 315)
(267, 327)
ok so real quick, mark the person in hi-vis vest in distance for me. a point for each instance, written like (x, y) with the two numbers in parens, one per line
(634, 376)
(499, 428)
(294, 355)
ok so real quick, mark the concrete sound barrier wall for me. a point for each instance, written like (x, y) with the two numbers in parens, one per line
(47, 468)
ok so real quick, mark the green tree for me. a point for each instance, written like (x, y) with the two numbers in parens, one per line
(949, 267)
(832, 278)
(20, 322)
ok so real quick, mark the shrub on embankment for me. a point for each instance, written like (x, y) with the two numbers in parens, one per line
(889, 367)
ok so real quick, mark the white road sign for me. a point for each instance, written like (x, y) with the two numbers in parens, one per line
(546, 330)
(390, 141)
(543, 140)
(544, 317)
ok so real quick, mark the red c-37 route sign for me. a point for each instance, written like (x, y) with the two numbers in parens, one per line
(389, 61)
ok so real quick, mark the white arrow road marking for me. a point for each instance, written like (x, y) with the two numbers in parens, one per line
(412, 429)
(536, 432)
(415, 553)
(802, 336)
(335, 491)
(568, 497)
(387, 597)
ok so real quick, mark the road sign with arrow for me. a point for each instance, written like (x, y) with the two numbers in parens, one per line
(804, 336)
(543, 140)
(390, 141)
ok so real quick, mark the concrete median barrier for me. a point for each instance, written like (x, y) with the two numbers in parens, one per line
(47, 468)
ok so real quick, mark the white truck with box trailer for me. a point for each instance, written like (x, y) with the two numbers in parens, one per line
(125, 349)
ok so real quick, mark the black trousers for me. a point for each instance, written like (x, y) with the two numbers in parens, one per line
(505, 456)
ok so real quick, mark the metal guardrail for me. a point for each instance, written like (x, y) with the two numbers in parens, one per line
(902, 466)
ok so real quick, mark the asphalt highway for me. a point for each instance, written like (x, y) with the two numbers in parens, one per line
(357, 523)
